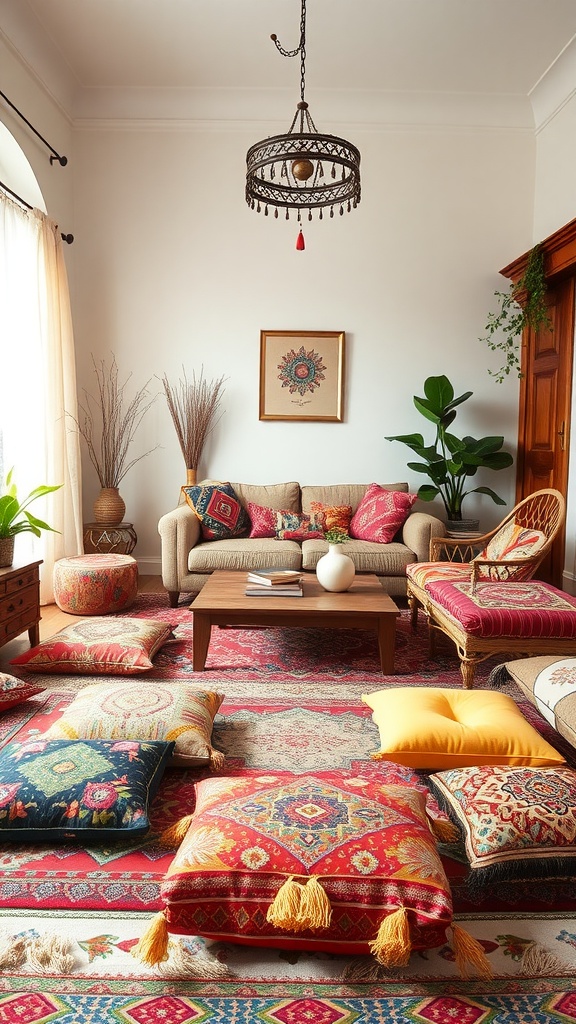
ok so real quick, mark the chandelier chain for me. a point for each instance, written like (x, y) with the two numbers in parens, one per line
(301, 49)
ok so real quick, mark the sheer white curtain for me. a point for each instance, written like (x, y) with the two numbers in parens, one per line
(38, 383)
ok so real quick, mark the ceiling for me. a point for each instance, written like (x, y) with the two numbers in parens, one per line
(498, 47)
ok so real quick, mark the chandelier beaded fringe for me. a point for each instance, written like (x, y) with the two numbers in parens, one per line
(288, 172)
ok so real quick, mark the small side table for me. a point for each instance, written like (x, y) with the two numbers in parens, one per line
(102, 539)
(20, 602)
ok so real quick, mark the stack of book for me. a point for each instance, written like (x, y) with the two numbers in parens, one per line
(274, 583)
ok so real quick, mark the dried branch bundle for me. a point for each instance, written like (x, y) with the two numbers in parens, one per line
(109, 442)
(193, 406)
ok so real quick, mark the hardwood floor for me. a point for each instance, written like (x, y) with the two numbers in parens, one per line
(53, 620)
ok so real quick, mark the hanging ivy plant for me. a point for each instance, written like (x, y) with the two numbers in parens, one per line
(523, 305)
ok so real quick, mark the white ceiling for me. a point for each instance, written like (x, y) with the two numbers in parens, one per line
(488, 47)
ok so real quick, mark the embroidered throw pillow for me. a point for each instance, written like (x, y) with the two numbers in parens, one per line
(283, 524)
(380, 514)
(333, 861)
(332, 517)
(219, 510)
(95, 790)
(14, 691)
(515, 822)
(107, 645)
(432, 727)
(173, 711)
(511, 542)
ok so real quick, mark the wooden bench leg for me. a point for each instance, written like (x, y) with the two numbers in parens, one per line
(467, 671)
(413, 605)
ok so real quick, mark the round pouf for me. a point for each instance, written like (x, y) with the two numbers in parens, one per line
(95, 584)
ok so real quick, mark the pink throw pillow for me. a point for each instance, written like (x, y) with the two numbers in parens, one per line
(282, 523)
(380, 514)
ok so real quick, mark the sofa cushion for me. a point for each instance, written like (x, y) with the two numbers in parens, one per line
(549, 682)
(432, 727)
(515, 822)
(219, 510)
(341, 494)
(285, 495)
(382, 559)
(381, 514)
(245, 554)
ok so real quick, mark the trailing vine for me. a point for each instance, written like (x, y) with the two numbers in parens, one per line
(523, 305)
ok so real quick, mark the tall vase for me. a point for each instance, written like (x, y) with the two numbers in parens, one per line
(191, 476)
(335, 571)
(109, 508)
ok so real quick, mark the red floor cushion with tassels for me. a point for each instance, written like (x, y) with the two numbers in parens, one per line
(337, 862)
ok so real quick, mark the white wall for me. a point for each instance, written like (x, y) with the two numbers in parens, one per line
(172, 268)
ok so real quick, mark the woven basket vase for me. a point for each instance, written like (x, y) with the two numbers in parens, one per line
(109, 508)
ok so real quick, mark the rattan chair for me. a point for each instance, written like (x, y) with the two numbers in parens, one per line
(457, 560)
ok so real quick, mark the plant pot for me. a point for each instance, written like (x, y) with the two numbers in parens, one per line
(6, 551)
(109, 508)
(454, 526)
(335, 571)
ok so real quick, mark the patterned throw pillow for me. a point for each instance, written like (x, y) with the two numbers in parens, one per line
(283, 524)
(13, 691)
(172, 711)
(516, 822)
(94, 790)
(336, 861)
(432, 727)
(220, 513)
(103, 646)
(511, 542)
(380, 514)
(332, 517)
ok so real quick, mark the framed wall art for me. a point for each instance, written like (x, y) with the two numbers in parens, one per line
(302, 375)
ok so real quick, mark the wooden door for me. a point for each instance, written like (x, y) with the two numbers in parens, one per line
(544, 414)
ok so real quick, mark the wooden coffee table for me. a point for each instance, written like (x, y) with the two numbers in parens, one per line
(222, 602)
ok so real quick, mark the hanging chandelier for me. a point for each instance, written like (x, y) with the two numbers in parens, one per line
(302, 170)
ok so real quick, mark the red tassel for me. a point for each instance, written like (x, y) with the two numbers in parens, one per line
(300, 244)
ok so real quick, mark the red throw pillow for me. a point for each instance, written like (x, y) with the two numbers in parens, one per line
(380, 514)
(282, 523)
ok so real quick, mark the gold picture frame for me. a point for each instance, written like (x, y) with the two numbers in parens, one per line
(302, 375)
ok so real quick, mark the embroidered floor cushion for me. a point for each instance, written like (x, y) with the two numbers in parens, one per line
(13, 691)
(516, 822)
(172, 711)
(95, 584)
(550, 683)
(530, 609)
(104, 646)
(433, 727)
(96, 790)
(324, 862)
(219, 510)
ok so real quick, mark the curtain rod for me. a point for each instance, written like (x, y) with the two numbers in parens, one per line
(4, 188)
(62, 160)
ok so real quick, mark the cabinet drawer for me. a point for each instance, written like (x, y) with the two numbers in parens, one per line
(18, 604)
(12, 627)
(18, 581)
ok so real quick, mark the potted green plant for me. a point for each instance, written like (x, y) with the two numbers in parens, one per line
(450, 461)
(15, 518)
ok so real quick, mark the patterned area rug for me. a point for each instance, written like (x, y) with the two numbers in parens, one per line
(293, 701)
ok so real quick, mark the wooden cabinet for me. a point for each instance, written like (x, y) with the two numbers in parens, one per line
(20, 602)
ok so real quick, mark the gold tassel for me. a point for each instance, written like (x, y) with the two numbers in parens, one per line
(216, 759)
(443, 830)
(152, 948)
(392, 947)
(283, 911)
(467, 950)
(174, 834)
(315, 910)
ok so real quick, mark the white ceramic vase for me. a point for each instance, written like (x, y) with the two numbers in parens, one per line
(335, 571)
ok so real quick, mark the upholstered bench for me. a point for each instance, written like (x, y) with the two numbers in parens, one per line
(526, 618)
(95, 584)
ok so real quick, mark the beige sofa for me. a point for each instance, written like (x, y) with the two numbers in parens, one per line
(187, 560)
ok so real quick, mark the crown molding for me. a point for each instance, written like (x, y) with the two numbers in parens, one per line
(556, 88)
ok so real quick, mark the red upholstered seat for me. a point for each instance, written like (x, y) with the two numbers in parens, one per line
(530, 609)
